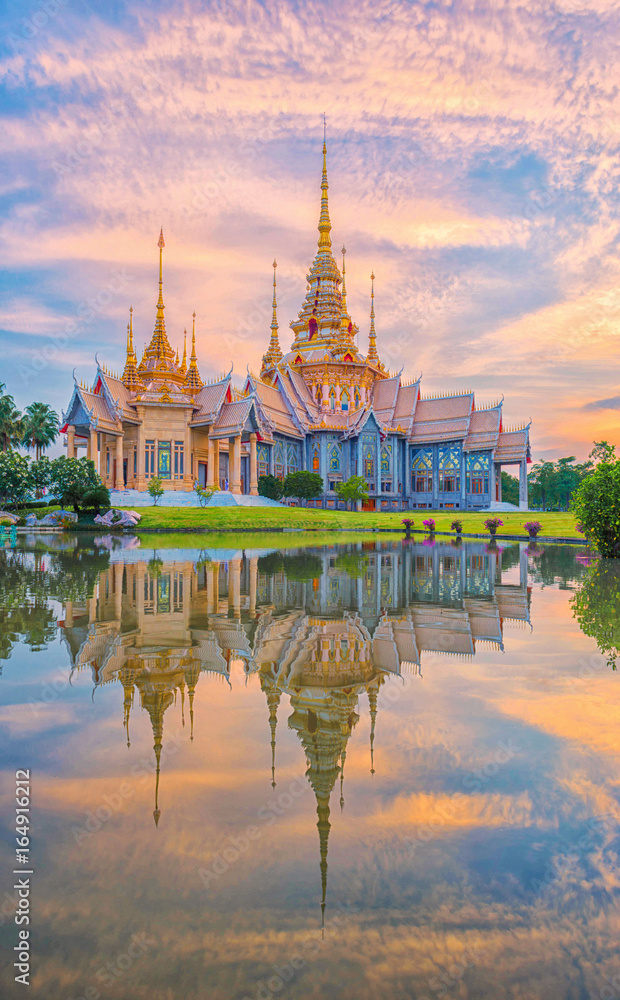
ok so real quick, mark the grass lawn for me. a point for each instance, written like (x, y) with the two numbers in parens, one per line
(223, 519)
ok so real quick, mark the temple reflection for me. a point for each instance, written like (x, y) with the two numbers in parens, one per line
(321, 627)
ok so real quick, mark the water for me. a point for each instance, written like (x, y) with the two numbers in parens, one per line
(355, 770)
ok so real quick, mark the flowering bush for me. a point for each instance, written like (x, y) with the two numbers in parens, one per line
(492, 524)
(457, 525)
(533, 528)
(407, 522)
(429, 524)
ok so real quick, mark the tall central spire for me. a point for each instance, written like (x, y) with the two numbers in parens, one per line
(372, 336)
(159, 349)
(274, 354)
(325, 225)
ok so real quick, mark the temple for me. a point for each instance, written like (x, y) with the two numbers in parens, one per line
(328, 405)
(332, 632)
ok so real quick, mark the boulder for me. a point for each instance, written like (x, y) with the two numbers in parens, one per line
(5, 515)
(55, 517)
(32, 521)
(118, 519)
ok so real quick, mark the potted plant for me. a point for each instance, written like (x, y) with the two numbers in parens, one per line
(458, 527)
(492, 524)
(429, 524)
(533, 528)
(408, 525)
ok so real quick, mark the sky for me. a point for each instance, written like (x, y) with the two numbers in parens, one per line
(473, 165)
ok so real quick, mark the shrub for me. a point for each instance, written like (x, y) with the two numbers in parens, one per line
(457, 525)
(303, 485)
(596, 503)
(352, 490)
(72, 478)
(96, 497)
(14, 478)
(270, 487)
(204, 493)
(429, 524)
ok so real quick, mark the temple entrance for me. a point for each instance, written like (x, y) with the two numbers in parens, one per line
(369, 505)
(202, 473)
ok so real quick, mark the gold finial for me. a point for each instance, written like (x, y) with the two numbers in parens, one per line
(324, 227)
(192, 380)
(372, 336)
(130, 375)
(344, 283)
(274, 354)
(183, 367)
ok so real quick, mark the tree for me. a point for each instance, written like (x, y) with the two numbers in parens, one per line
(40, 425)
(41, 473)
(72, 479)
(96, 497)
(352, 490)
(204, 493)
(510, 488)
(270, 487)
(156, 489)
(541, 481)
(303, 485)
(595, 606)
(596, 505)
(602, 451)
(354, 564)
(11, 423)
(14, 478)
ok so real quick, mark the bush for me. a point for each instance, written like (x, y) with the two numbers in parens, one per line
(303, 485)
(533, 528)
(270, 487)
(457, 525)
(596, 503)
(352, 490)
(14, 479)
(72, 479)
(96, 498)
(493, 523)
(429, 524)
(204, 493)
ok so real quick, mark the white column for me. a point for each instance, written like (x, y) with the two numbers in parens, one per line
(253, 467)
(119, 483)
(70, 441)
(523, 499)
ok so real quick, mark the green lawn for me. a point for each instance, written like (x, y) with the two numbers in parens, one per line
(223, 519)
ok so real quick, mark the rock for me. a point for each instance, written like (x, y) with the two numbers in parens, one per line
(118, 519)
(5, 515)
(31, 521)
(55, 517)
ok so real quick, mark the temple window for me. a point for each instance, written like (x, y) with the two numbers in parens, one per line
(149, 458)
(478, 472)
(316, 461)
(344, 399)
(332, 398)
(135, 461)
(278, 460)
(312, 328)
(163, 459)
(262, 457)
(292, 458)
(369, 463)
(358, 399)
(449, 469)
(386, 456)
(334, 459)
(422, 471)
(178, 459)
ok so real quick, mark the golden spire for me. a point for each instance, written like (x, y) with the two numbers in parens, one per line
(372, 698)
(159, 350)
(183, 367)
(344, 285)
(273, 700)
(342, 760)
(372, 337)
(193, 382)
(160, 324)
(325, 225)
(130, 375)
(274, 354)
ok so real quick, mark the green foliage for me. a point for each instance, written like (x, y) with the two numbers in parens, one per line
(602, 451)
(204, 493)
(354, 564)
(40, 427)
(551, 484)
(270, 564)
(96, 498)
(155, 489)
(305, 566)
(11, 422)
(41, 472)
(303, 485)
(352, 490)
(510, 488)
(596, 505)
(270, 487)
(596, 603)
(72, 479)
(14, 478)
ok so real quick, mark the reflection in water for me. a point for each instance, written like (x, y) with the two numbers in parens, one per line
(323, 637)
(320, 627)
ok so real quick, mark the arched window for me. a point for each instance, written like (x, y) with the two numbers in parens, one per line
(369, 462)
(478, 472)
(312, 328)
(422, 471)
(316, 461)
(344, 399)
(358, 398)
(334, 458)
(332, 398)
(386, 458)
(450, 469)
(319, 395)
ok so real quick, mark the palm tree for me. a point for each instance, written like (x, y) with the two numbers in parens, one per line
(11, 424)
(40, 427)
